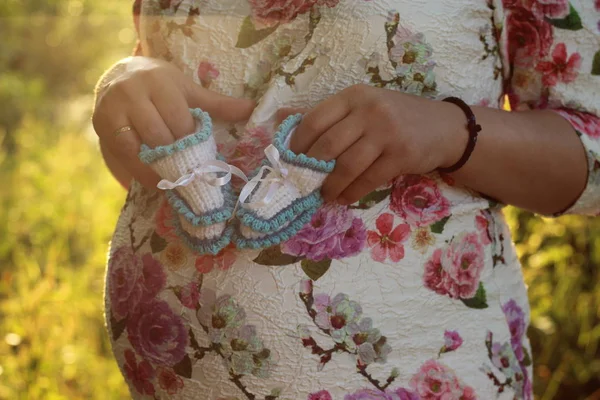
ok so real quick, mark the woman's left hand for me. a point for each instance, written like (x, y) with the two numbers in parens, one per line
(375, 135)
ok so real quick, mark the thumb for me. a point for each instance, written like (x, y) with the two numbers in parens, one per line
(219, 106)
(285, 112)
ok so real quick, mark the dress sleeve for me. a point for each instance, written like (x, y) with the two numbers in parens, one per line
(551, 59)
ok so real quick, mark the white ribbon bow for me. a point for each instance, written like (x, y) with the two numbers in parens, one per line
(277, 178)
(214, 166)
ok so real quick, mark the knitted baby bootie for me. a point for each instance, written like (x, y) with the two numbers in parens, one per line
(196, 182)
(283, 194)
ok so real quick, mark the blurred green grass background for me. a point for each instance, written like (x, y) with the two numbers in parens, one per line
(59, 205)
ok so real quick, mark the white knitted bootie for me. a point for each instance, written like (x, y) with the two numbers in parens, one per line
(283, 194)
(196, 181)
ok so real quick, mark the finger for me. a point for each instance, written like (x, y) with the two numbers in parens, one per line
(127, 167)
(285, 112)
(219, 106)
(143, 173)
(349, 166)
(317, 121)
(174, 111)
(125, 147)
(337, 139)
(107, 121)
(149, 125)
(378, 174)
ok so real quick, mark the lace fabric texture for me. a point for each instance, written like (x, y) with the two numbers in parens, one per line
(413, 293)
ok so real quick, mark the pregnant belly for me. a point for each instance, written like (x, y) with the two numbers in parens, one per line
(359, 296)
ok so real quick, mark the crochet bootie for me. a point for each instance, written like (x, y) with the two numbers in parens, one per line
(196, 181)
(283, 195)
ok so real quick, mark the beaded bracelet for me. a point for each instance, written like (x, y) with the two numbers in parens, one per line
(473, 129)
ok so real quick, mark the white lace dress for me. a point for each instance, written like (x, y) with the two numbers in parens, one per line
(415, 292)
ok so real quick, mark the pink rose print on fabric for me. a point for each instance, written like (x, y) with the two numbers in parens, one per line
(584, 123)
(169, 381)
(157, 334)
(132, 279)
(189, 295)
(452, 341)
(223, 260)
(140, 375)
(373, 394)
(332, 233)
(124, 290)
(435, 381)
(322, 395)
(163, 221)
(273, 11)
(418, 200)
(529, 37)
(455, 271)
(562, 68)
(154, 276)
(554, 9)
(248, 152)
(387, 243)
(207, 72)
(482, 222)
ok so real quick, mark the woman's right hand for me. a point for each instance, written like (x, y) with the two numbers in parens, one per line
(153, 97)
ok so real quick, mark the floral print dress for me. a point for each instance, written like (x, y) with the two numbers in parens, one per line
(415, 292)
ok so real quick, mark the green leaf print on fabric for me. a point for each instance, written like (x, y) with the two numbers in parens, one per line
(249, 35)
(438, 227)
(571, 22)
(596, 64)
(157, 243)
(526, 358)
(478, 301)
(184, 367)
(315, 269)
(117, 327)
(273, 256)
(372, 199)
(275, 393)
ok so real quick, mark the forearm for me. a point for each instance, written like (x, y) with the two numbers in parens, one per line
(531, 159)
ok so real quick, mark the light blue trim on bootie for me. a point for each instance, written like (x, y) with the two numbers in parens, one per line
(275, 238)
(148, 155)
(299, 208)
(268, 225)
(221, 214)
(204, 246)
(300, 160)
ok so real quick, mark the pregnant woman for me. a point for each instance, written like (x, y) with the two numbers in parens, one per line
(394, 277)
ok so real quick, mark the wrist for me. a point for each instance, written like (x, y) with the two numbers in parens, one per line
(455, 136)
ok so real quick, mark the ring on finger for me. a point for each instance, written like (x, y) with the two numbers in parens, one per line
(125, 128)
